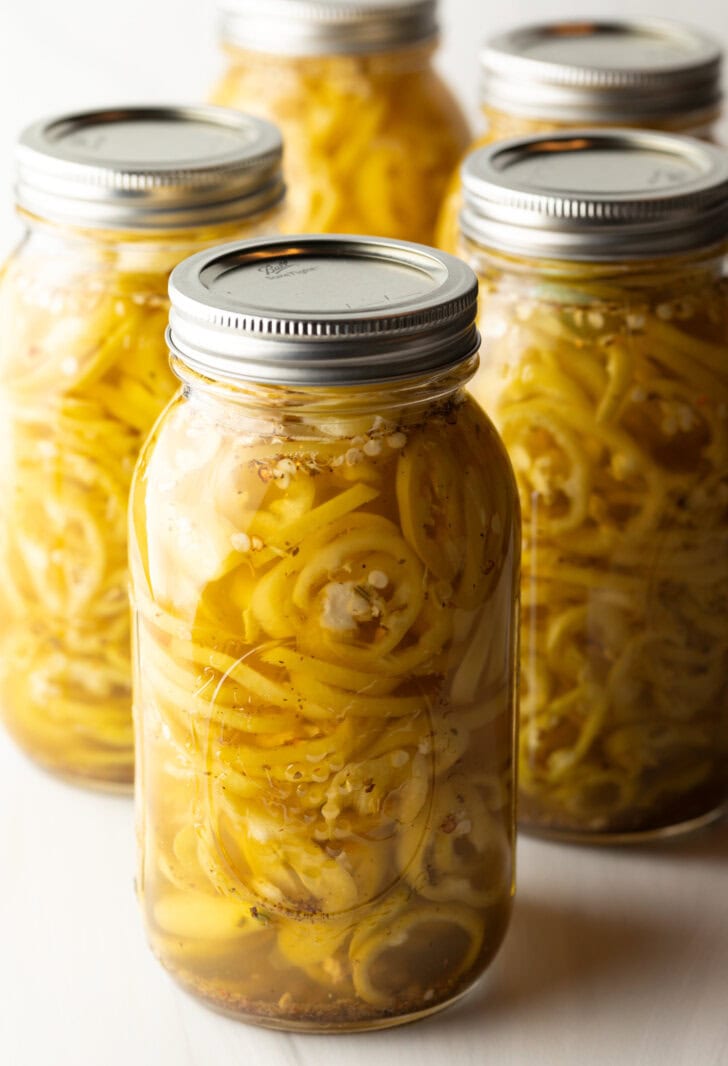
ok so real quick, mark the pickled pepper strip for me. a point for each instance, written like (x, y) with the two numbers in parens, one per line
(614, 409)
(370, 140)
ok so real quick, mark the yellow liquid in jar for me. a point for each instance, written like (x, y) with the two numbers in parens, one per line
(84, 374)
(325, 649)
(614, 411)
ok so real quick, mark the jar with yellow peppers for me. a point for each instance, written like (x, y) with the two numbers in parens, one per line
(324, 556)
(110, 201)
(371, 132)
(604, 308)
(652, 74)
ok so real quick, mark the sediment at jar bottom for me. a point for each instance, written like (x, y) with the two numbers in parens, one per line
(295, 1009)
(370, 140)
(687, 814)
(613, 406)
(325, 708)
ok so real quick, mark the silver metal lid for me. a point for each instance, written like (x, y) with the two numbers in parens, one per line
(149, 167)
(322, 27)
(333, 310)
(596, 195)
(616, 72)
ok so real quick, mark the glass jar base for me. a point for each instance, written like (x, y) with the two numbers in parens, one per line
(118, 781)
(112, 786)
(310, 1024)
(641, 836)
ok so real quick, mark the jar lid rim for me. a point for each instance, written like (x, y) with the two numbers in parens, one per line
(149, 167)
(312, 310)
(616, 70)
(323, 27)
(596, 195)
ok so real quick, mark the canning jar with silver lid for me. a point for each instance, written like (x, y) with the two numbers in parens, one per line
(604, 308)
(646, 73)
(324, 557)
(372, 132)
(111, 200)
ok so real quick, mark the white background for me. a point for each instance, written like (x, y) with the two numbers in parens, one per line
(58, 55)
(615, 958)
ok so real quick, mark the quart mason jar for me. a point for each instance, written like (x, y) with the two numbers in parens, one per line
(652, 74)
(604, 310)
(372, 133)
(110, 201)
(324, 558)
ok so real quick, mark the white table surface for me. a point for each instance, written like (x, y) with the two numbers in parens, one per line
(615, 957)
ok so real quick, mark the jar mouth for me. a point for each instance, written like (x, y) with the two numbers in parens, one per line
(631, 111)
(687, 268)
(289, 401)
(179, 241)
(149, 168)
(327, 27)
(331, 310)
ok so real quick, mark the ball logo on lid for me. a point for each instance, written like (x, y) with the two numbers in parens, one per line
(272, 270)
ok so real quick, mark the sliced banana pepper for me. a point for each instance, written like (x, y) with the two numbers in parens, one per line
(370, 140)
(84, 373)
(613, 405)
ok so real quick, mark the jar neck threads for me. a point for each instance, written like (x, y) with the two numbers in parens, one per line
(287, 405)
(395, 61)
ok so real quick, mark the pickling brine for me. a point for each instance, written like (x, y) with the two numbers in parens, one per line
(84, 373)
(613, 404)
(324, 587)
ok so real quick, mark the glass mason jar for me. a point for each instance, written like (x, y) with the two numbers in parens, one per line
(604, 310)
(371, 132)
(111, 201)
(324, 560)
(562, 75)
